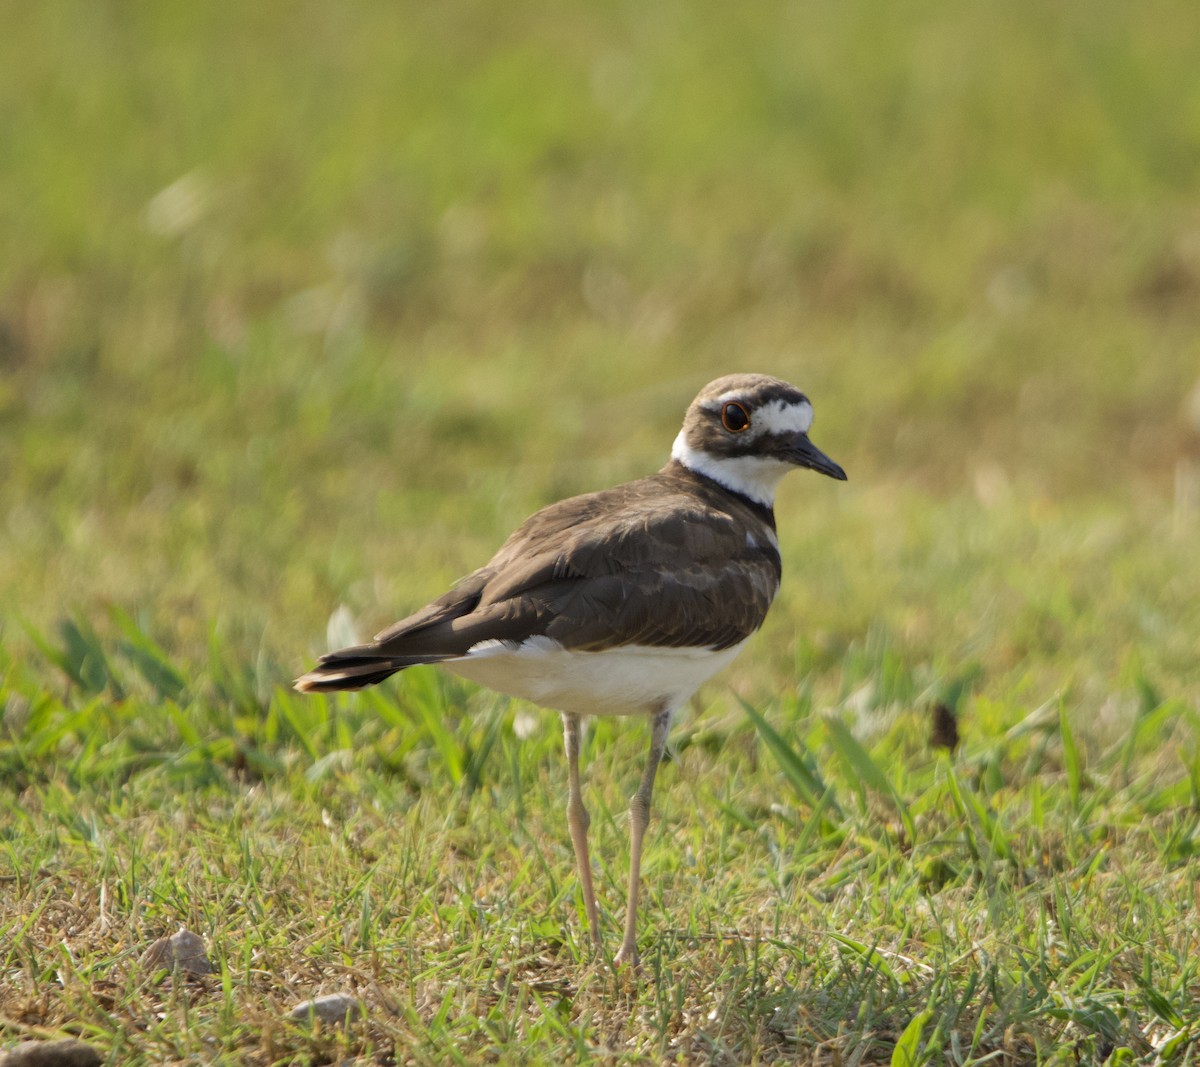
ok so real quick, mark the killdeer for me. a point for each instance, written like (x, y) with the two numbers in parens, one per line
(621, 602)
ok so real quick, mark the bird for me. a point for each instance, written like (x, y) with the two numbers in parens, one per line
(623, 601)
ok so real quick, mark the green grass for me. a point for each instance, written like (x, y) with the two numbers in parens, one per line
(307, 305)
(818, 888)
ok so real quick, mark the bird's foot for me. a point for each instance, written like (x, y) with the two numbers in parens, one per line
(628, 954)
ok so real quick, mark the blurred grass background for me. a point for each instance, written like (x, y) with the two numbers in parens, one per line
(303, 304)
(306, 305)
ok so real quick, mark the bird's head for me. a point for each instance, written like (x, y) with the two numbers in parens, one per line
(746, 431)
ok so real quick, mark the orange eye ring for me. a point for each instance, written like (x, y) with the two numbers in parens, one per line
(735, 418)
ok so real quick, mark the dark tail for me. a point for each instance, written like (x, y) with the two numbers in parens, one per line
(356, 668)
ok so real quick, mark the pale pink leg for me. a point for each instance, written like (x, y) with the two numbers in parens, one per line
(578, 822)
(639, 819)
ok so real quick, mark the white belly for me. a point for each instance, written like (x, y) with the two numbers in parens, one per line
(632, 680)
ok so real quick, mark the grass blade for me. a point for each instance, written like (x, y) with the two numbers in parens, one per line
(803, 778)
(149, 659)
(866, 770)
(1071, 760)
(905, 1054)
(871, 957)
(974, 813)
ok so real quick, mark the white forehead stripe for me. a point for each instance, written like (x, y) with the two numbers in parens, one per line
(778, 416)
(781, 417)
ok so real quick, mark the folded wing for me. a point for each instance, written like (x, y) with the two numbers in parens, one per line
(628, 566)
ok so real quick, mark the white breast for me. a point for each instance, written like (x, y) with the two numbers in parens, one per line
(631, 680)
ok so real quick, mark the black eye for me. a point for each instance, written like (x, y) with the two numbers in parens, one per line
(734, 418)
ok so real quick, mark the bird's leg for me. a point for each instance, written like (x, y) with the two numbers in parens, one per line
(639, 819)
(578, 822)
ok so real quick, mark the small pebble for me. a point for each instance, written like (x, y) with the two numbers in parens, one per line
(65, 1053)
(183, 950)
(333, 1008)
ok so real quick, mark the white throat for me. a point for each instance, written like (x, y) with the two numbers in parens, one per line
(752, 476)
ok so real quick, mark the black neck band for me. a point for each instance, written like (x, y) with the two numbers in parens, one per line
(763, 511)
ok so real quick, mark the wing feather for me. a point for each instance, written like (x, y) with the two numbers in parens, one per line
(596, 571)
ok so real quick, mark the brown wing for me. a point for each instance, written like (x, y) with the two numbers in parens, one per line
(628, 566)
(663, 561)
